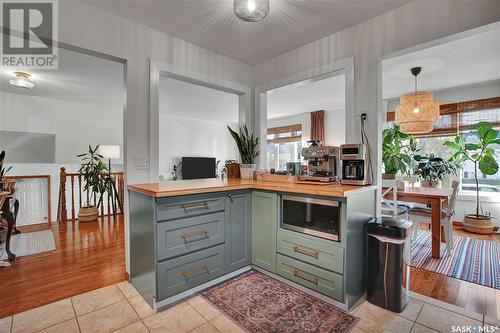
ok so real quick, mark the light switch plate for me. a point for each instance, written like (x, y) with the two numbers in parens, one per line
(141, 163)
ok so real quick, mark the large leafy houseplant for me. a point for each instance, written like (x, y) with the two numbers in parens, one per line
(398, 150)
(432, 170)
(93, 170)
(248, 147)
(481, 154)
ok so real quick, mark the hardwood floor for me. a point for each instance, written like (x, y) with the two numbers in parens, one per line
(88, 256)
(468, 295)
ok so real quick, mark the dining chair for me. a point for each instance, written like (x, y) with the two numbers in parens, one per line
(423, 215)
(391, 207)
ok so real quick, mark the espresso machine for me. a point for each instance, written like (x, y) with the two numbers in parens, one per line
(323, 161)
(354, 164)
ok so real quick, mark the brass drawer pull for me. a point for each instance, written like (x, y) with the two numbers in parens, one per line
(201, 233)
(195, 204)
(306, 276)
(196, 270)
(311, 253)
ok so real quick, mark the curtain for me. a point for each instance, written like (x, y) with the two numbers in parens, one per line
(318, 126)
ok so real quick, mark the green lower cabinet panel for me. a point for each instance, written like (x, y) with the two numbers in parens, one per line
(315, 278)
(264, 227)
(182, 273)
(313, 250)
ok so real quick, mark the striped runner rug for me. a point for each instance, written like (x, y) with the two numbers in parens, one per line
(472, 260)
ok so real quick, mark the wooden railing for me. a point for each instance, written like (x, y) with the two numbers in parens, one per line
(72, 193)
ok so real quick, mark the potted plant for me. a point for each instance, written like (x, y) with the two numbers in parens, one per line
(482, 155)
(231, 169)
(397, 151)
(92, 169)
(248, 146)
(432, 170)
(3, 170)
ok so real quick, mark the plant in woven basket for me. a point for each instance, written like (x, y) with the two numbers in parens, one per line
(481, 153)
(93, 169)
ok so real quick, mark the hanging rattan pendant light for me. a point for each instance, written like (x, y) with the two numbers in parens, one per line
(417, 112)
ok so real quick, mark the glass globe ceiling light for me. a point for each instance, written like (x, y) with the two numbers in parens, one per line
(417, 112)
(251, 10)
(22, 80)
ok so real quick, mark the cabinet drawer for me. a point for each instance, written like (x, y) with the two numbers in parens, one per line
(311, 250)
(179, 207)
(180, 274)
(315, 278)
(181, 236)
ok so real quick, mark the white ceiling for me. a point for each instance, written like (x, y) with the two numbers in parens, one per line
(212, 24)
(183, 99)
(79, 78)
(327, 94)
(466, 61)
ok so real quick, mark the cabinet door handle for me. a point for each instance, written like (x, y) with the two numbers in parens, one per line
(201, 233)
(194, 271)
(311, 253)
(195, 204)
(306, 276)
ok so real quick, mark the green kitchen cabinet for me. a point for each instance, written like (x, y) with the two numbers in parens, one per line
(264, 229)
(238, 229)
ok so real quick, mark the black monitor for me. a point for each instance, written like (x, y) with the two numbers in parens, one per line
(198, 167)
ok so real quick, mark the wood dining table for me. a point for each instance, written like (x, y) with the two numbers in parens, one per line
(437, 198)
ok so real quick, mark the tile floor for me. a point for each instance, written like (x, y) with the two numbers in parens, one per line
(119, 308)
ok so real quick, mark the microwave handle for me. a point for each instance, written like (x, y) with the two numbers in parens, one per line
(322, 202)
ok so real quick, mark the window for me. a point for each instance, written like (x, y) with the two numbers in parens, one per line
(284, 144)
(460, 118)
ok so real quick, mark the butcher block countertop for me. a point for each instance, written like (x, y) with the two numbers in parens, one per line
(188, 187)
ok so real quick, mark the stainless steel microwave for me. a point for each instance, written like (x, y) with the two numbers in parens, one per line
(311, 216)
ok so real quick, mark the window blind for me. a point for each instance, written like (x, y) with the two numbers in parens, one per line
(289, 133)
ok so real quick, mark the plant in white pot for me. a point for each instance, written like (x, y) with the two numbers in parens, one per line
(93, 170)
(482, 155)
(248, 146)
(431, 170)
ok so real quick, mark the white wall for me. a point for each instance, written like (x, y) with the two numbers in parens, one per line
(334, 125)
(75, 125)
(88, 27)
(181, 136)
(412, 24)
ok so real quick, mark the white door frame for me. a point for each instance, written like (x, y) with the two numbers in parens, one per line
(344, 66)
(158, 68)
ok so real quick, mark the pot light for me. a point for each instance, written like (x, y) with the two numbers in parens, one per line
(417, 112)
(22, 80)
(251, 10)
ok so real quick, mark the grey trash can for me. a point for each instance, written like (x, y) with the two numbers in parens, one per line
(388, 276)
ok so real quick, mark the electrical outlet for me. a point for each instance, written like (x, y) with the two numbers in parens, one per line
(142, 163)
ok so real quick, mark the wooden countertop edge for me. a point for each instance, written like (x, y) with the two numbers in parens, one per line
(320, 191)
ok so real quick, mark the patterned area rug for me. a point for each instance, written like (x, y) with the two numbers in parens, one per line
(472, 260)
(261, 304)
(24, 244)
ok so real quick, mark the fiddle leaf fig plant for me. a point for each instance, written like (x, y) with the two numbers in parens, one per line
(93, 169)
(481, 153)
(398, 149)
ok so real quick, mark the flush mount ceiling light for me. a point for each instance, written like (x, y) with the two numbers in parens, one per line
(417, 112)
(22, 80)
(251, 10)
